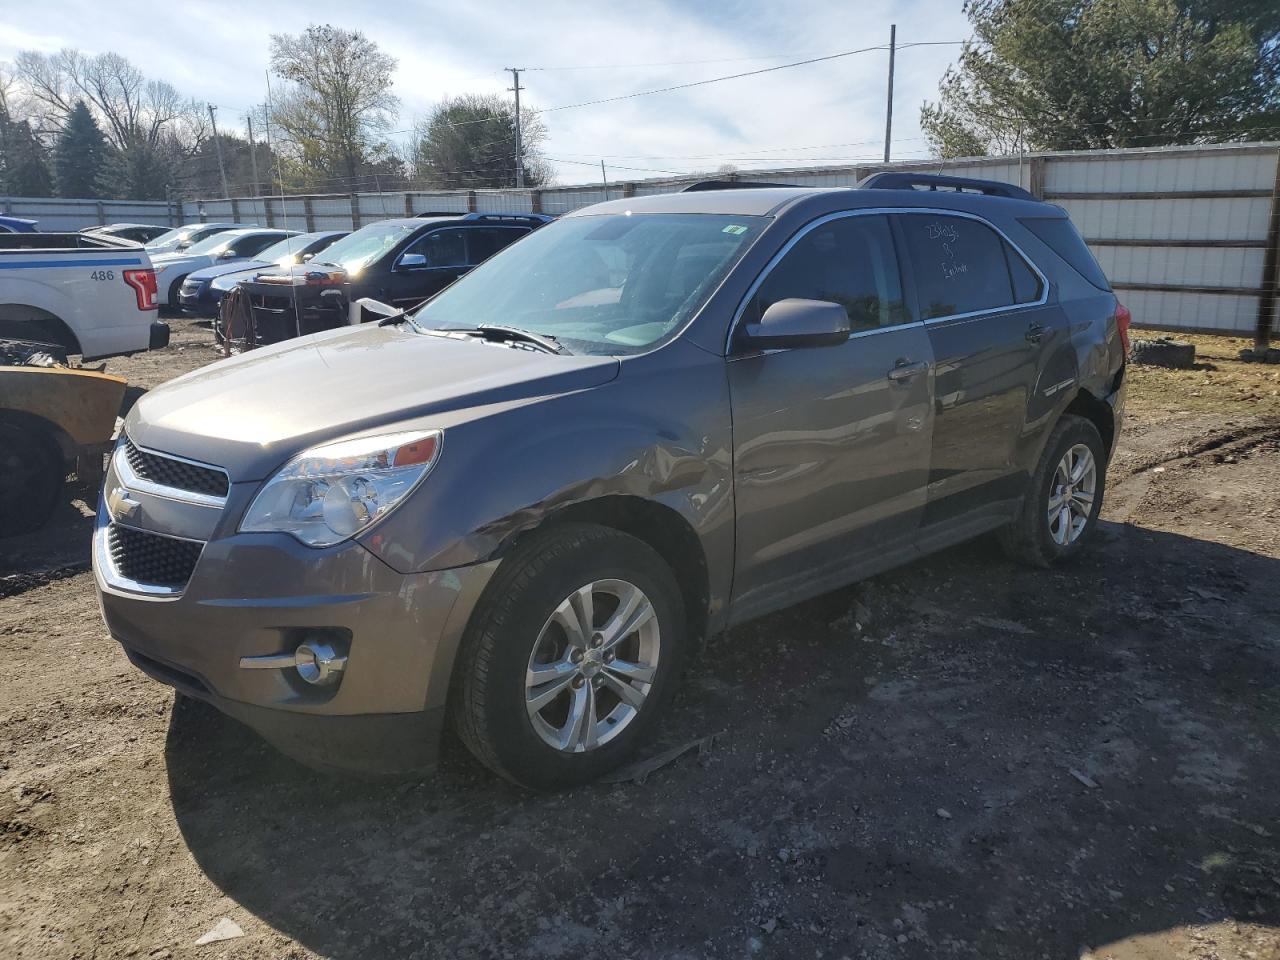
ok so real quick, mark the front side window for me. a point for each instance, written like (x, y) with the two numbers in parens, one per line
(850, 261)
(253, 245)
(442, 248)
(608, 284)
(963, 266)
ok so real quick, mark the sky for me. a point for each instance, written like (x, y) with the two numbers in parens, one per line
(830, 112)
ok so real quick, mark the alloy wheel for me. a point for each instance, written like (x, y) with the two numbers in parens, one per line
(1071, 494)
(593, 666)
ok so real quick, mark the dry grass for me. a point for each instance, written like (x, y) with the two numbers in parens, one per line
(1219, 383)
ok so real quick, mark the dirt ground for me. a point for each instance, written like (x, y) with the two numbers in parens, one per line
(963, 758)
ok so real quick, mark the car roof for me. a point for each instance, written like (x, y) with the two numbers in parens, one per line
(771, 201)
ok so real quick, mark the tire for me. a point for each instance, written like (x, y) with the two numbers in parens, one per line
(1033, 538)
(32, 478)
(1164, 352)
(519, 624)
(173, 294)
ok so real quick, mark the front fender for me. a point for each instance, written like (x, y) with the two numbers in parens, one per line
(660, 431)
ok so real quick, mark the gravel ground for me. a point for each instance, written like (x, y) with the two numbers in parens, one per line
(963, 758)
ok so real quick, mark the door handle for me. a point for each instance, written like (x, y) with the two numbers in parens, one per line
(1035, 333)
(904, 370)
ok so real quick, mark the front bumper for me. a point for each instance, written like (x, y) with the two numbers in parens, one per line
(254, 595)
(199, 303)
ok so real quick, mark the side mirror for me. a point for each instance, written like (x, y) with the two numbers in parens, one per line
(366, 309)
(411, 260)
(183, 245)
(794, 323)
(306, 257)
(227, 255)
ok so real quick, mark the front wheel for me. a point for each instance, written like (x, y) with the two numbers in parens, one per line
(1064, 497)
(571, 658)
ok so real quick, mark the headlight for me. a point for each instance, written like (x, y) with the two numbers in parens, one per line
(332, 492)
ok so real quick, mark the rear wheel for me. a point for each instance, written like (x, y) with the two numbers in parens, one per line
(1064, 498)
(32, 478)
(571, 658)
(174, 289)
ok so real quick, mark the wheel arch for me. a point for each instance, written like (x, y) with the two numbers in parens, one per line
(47, 429)
(1098, 412)
(50, 324)
(658, 526)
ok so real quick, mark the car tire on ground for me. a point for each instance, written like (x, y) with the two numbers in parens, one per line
(579, 622)
(1064, 497)
(32, 478)
(174, 288)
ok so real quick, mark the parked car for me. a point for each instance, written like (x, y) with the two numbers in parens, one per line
(137, 232)
(17, 225)
(91, 294)
(202, 292)
(227, 246)
(658, 417)
(180, 238)
(401, 261)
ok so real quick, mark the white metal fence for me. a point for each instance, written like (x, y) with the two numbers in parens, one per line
(1187, 235)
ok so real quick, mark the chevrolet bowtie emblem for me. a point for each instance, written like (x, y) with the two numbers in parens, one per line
(121, 506)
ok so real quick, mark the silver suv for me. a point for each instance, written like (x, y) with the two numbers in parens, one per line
(521, 504)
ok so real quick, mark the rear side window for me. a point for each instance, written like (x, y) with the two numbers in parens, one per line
(486, 241)
(1061, 236)
(849, 261)
(963, 266)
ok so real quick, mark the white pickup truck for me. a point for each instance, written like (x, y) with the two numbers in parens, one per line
(93, 295)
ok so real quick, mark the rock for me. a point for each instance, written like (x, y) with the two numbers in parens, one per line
(944, 814)
(770, 925)
(224, 929)
(1084, 778)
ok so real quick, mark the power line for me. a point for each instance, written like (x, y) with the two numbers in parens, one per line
(739, 76)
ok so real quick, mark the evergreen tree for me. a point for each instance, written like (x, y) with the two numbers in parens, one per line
(25, 165)
(80, 154)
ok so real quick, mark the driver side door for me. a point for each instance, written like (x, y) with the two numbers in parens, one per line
(427, 266)
(831, 444)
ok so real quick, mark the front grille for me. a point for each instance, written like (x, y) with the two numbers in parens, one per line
(151, 558)
(178, 474)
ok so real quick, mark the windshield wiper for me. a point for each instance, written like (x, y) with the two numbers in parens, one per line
(496, 331)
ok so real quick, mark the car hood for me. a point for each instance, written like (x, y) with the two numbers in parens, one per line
(168, 261)
(253, 412)
(222, 269)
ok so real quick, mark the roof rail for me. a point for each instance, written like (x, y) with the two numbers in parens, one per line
(912, 181)
(461, 215)
(731, 185)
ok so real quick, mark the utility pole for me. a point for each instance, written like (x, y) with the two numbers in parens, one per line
(604, 179)
(253, 154)
(222, 171)
(888, 120)
(515, 88)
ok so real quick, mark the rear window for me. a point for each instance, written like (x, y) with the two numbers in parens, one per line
(963, 266)
(1061, 236)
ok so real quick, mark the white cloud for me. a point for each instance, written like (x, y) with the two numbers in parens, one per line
(218, 51)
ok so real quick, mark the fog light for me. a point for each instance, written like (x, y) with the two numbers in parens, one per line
(318, 664)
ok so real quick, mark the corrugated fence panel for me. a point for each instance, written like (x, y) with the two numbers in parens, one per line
(1191, 311)
(441, 201)
(1182, 219)
(1213, 242)
(1189, 266)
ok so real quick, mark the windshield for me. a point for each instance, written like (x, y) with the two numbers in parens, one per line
(172, 237)
(356, 250)
(605, 284)
(286, 252)
(213, 244)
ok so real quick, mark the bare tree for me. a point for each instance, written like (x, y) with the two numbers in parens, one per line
(339, 101)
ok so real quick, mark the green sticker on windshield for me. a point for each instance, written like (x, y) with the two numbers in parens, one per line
(735, 229)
